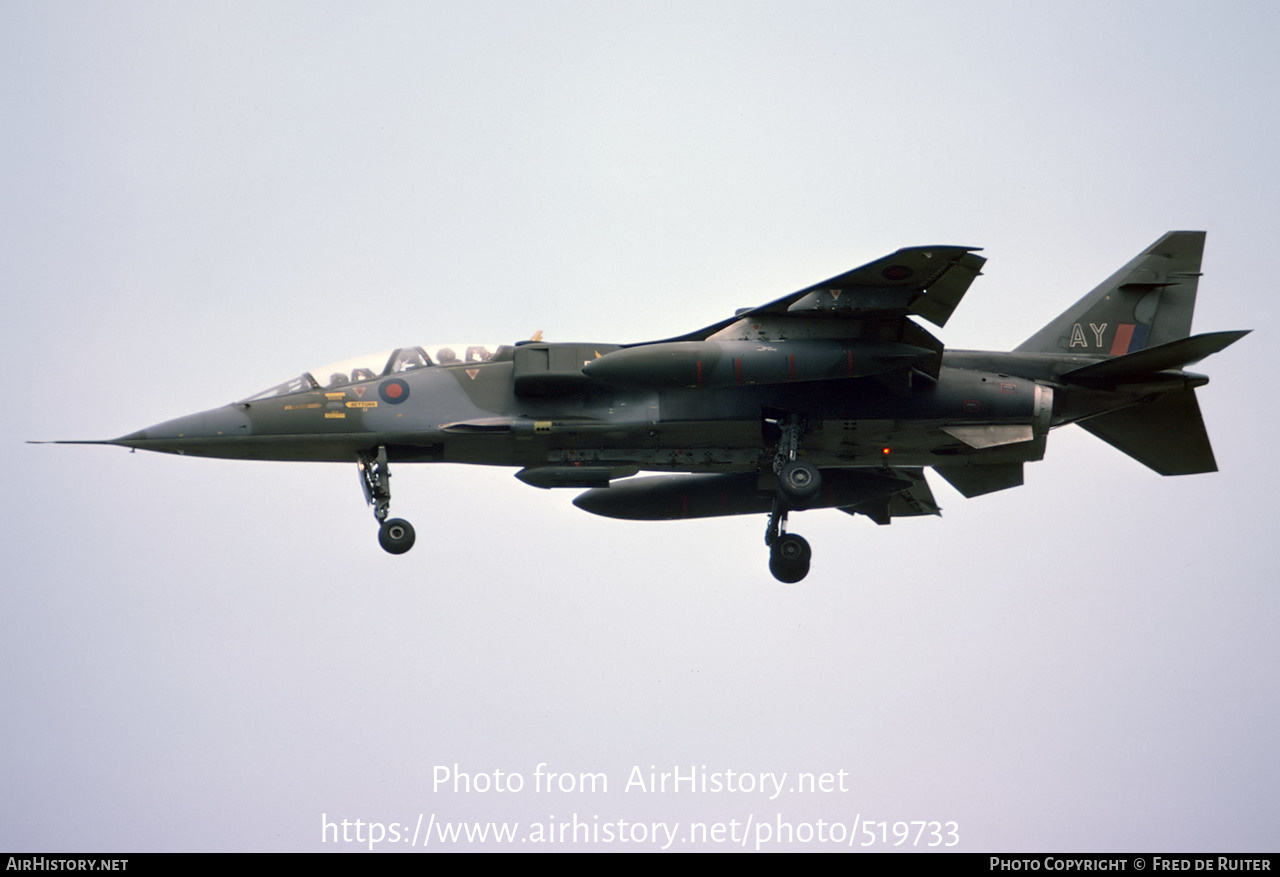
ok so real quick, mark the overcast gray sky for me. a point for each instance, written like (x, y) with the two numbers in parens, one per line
(204, 199)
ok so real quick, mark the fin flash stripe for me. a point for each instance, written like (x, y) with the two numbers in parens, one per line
(1124, 336)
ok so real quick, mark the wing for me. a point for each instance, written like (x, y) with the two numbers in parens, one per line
(871, 303)
(914, 500)
(923, 281)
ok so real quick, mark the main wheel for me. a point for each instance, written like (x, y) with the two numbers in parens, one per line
(798, 483)
(789, 558)
(396, 536)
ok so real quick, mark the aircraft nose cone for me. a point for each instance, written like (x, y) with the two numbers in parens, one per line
(197, 434)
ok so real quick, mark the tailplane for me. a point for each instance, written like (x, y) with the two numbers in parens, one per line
(1145, 364)
(1166, 434)
(1163, 428)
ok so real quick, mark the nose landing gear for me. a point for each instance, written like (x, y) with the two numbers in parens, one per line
(395, 535)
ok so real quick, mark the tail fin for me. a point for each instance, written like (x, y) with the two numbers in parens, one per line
(1137, 323)
(1146, 303)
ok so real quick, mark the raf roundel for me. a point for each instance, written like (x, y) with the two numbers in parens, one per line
(393, 391)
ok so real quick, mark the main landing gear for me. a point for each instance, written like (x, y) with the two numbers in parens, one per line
(789, 555)
(395, 535)
(798, 483)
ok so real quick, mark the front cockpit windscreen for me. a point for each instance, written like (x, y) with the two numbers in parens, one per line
(377, 365)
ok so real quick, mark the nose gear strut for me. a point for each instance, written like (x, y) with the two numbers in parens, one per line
(395, 535)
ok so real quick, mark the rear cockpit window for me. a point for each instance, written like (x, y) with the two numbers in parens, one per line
(376, 365)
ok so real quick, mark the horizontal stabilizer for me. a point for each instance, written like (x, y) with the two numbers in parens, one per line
(976, 480)
(1173, 355)
(1166, 435)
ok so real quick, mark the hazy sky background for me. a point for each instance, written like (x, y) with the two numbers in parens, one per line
(201, 200)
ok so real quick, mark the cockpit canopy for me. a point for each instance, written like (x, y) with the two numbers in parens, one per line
(376, 365)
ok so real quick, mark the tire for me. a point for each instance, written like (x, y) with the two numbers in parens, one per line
(789, 558)
(799, 483)
(396, 536)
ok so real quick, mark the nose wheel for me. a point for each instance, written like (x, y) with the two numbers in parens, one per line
(395, 535)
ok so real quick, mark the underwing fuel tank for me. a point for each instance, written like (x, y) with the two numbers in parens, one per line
(677, 497)
(674, 364)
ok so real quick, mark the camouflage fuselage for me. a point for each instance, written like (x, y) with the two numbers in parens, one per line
(472, 413)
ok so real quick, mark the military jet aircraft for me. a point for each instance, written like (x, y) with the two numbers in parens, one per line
(830, 397)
